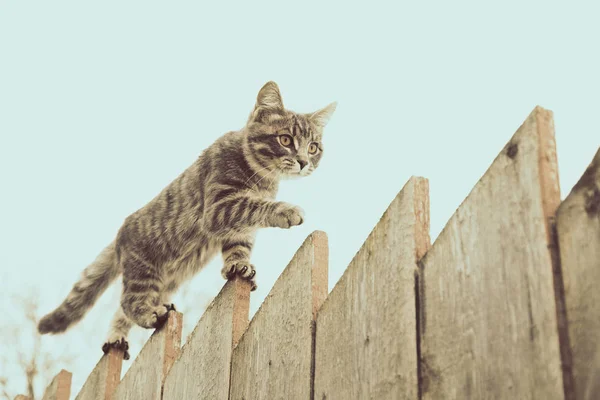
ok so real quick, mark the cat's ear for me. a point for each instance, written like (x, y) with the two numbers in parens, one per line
(269, 97)
(321, 117)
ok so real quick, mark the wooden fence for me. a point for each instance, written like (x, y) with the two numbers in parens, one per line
(504, 305)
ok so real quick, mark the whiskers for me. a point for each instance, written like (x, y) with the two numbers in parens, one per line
(289, 167)
(286, 168)
(273, 181)
(254, 174)
(286, 163)
(270, 172)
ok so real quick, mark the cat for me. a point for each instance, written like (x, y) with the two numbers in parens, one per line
(217, 204)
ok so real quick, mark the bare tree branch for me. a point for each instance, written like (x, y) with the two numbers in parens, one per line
(29, 357)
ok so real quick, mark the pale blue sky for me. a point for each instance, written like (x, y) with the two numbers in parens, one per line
(102, 105)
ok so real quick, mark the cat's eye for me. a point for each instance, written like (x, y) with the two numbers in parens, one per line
(313, 148)
(285, 140)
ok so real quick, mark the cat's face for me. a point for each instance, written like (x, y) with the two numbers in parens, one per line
(282, 141)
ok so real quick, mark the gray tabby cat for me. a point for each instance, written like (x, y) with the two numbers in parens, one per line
(216, 204)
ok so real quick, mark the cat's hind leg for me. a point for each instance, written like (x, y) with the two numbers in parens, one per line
(142, 292)
(117, 336)
(167, 293)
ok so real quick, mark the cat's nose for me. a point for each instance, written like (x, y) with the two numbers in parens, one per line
(302, 163)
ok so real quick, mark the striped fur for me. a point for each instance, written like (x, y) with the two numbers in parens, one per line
(94, 280)
(216, 205)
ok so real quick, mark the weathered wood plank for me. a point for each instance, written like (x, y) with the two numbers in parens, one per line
(274, 357)
(203, 367)
(488, 322)
(366, 341)
(104, 378)
(578, 227)
(60, 387)
(145, 377)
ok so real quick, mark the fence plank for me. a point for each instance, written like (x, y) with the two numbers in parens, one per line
(145, 377)
(366, 344)
(60, 387)
(203, 368)
(102, 382)
(578, 227)
(488, 323)
(274, 357)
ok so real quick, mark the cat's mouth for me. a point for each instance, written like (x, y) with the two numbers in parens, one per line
(290, 173)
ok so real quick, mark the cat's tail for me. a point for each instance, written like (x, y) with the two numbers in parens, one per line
(93, 282)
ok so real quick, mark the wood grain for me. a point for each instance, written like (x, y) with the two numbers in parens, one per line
(578, 227)
(274, 357)
(488, 317)
(104, 378)
(145, 377)
(203, 368)
(366, 342)
(60, 387)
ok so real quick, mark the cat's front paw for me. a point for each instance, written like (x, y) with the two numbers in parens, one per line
(287, 216)
(240, 268)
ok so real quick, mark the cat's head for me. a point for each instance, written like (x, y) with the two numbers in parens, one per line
(283, 141)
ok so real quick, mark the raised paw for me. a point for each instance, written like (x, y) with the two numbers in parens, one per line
(243, 269)
(288, 216)
(120, 344)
